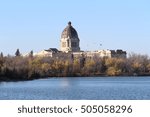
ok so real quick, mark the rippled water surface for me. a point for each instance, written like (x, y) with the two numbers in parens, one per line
(93, 88)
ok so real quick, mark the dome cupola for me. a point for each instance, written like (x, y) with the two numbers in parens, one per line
(69, 41)
(69, 31)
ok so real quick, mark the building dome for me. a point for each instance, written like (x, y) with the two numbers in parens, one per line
(69, 41)
(69, 31)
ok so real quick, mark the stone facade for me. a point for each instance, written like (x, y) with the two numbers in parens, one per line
(51, 52)
(102, 53)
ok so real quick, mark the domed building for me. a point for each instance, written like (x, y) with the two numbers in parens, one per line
(69, 40)
(70, 43)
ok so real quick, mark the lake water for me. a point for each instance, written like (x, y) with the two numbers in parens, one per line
(91, 88)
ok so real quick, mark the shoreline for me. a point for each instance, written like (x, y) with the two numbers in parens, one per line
(6, 79)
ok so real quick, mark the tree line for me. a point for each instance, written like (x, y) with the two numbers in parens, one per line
(66, 65)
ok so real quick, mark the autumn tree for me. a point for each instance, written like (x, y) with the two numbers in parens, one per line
(31, 54)
(139, 63)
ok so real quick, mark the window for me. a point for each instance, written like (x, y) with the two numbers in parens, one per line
(74, 44)
(63, 44)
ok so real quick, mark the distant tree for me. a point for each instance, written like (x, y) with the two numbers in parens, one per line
(111, 71)
(89, 66)
(1, 55)
(17, 53)
(76, 66)
(72, 57)
(138, 62)
(31, 54)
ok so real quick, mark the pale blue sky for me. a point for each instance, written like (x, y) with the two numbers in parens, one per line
(38, 24)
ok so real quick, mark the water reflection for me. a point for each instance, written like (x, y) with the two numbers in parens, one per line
(68, 82)
(77, 88)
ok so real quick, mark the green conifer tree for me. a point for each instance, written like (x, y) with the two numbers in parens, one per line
(1, 55)
(17, 53)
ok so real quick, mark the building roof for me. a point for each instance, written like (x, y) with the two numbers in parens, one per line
(120, 52)
(52, 50)
(69, 31)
